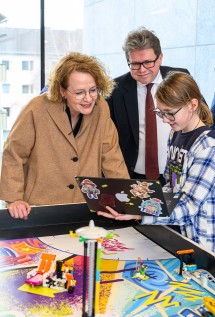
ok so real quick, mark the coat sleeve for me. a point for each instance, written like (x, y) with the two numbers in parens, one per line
(16, 154)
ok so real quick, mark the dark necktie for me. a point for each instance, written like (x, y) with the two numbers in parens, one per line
(151, 150)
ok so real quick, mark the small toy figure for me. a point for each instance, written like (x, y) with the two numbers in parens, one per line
(35, 276)
(49, 274)
(72, 234)
(187, 262)
(140, 272)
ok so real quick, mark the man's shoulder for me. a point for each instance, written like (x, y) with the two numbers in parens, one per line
(124, 78)
(165, 69)
(124, 83)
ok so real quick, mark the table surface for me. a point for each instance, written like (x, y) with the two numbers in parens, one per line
(163, 293)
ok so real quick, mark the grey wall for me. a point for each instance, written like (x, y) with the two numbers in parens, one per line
(186, 29)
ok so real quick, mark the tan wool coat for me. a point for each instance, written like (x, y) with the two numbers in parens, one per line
(42, 156)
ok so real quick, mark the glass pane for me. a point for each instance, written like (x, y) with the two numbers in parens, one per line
(19, 51)
(63, 30)
(5, 88)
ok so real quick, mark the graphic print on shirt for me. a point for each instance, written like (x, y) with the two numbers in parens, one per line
(181, 144)
(175, 166)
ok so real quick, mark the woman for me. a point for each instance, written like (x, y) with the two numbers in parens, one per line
(61, 134)
(190, 168)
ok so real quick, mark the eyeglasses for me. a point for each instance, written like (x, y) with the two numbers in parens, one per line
(146, 64)
(81, 94)
(170, 116)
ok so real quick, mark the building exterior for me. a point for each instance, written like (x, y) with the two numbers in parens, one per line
(20, 67)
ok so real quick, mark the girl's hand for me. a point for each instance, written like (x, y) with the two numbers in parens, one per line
(113, 214)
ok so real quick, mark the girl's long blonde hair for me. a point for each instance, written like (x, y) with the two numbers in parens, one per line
(178, 89)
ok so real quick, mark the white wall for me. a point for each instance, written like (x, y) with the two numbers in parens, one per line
(186, 29)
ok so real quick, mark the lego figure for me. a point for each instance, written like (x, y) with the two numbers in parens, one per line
(49, 274)
(140, 272)
(187, 262)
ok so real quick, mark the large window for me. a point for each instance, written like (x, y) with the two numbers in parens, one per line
(185, 28)
(21, 49)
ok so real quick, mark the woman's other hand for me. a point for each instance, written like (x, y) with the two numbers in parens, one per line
(19, 209)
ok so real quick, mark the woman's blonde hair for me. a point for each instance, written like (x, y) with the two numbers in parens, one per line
(178, 89)
(75, 61)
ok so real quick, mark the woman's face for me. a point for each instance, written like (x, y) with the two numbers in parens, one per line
(81, 93)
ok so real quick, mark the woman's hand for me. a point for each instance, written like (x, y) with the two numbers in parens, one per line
(113, 214)
(19, 209)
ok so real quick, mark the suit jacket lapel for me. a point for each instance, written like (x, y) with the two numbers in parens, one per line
(131, 105)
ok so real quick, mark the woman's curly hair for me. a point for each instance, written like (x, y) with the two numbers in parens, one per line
(79, 62)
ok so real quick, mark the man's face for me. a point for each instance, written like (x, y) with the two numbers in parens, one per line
(145, 75)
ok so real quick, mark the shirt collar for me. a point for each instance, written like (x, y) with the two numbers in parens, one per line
(158, 79)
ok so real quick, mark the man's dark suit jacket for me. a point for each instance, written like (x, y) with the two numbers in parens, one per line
(124, 112)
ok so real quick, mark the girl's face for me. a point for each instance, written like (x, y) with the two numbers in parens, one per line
(180, 119)
(81, 93)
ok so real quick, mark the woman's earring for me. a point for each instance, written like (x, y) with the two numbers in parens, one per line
(64, 99)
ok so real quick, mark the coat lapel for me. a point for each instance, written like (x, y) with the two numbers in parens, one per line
(60, 118)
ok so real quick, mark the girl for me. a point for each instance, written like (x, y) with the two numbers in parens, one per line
(190, 168)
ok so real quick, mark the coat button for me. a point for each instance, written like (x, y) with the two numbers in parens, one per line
(71, 186)
(74, 159)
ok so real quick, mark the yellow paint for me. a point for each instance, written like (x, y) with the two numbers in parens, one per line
(185, 289)
(190, 294)
(180, 284)
(39, 290)
(58, 310)
(165, 301)
(105, 289)
(97, 300)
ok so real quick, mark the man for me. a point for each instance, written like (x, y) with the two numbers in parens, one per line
(127, 102)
